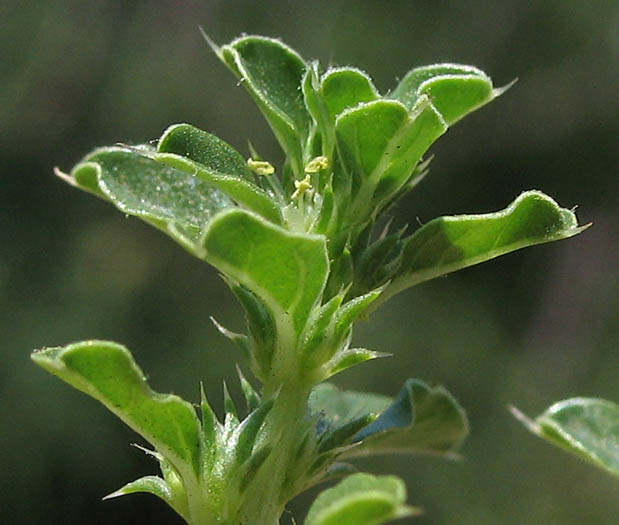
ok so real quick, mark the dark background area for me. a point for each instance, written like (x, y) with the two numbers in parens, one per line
(528, 329)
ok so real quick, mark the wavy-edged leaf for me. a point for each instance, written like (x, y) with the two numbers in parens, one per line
(107, 372)
(158, 487)
(447, 244)
(273, 73)
(421, 419)
(361, 499)
(177, 202)
(346, 87)
(454, 89)
(204, 148)
(201, 154)
(587, 427)
(286, 270)
(380, 144)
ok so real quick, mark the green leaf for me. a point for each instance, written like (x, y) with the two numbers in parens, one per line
(380, 144)
(107, 372)
(286, 270)
(324, 128)
(246, 433)
(447, 244)
(346, 87)
(204, 148)
(352, 310)
(372, 266)
(455, 90)
(345, 359)
(341, 406)
(196, 152)
(178, 203)
(587, 427)
(273, 73)
(361, 499)
(317, 344)
(421, 419)
(252, 398)
(158, 487)
(261, 327)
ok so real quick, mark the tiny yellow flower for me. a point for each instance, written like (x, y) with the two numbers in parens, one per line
(302, 186)
(260, 167)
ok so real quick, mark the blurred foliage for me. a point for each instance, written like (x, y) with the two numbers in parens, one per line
(528, 329)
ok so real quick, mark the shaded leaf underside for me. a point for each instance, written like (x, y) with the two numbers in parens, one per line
(421, 419)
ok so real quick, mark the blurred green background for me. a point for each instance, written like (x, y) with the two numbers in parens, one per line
(530, 328)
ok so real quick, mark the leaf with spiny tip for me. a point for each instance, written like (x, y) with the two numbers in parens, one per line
(170, 474)
(252, 398)
(174, 201)
(241, 340)
(447, 244)
(158, 487)
(345, 359)
(260, 324)
(341, 273)
(319, 331)
(107, 372)
(352, 310)
(454, 89)
(273, 73)
(232, 417)
(211, 427)
(372, 264)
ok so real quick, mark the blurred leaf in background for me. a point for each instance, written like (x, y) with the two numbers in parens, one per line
(528, 329)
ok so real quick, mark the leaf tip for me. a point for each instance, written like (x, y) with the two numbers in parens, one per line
(211, 43)
(531, 425)
(497, 92)
(64, 176)
(113, 495)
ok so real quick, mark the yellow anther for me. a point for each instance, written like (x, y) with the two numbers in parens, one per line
(260, 167)
(302, 186)
(317, 164)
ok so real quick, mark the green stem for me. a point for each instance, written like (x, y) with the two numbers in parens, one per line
(268, 493)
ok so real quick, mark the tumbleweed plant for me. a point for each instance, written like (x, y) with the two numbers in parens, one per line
(307, 249)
